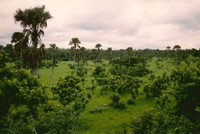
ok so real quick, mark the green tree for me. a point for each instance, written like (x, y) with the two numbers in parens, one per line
(98, 46)
(3, 58)
(75, 45)
(129, 52)
(109, 51)
(82, 54)
(94, 55)
(168, 50)
(10, 50)
(19, 88)
(21, 45)
(33, 21)
(177, 48)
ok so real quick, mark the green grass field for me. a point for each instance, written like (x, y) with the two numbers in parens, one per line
(108, 120)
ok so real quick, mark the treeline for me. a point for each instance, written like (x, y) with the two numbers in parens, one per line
(84, 54)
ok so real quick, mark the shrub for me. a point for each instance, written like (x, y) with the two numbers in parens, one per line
(71, 66)
(115, 99)
(143, 124)
(131, 101)
(89, 95)
(80, 72)
(98, 70)
(121, 105)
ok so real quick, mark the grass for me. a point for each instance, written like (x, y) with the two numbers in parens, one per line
(108, 119)
(60, 71)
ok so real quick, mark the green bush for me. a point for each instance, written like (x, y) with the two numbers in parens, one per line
(98, 70)
(131, 101)
(116, 101)
(121, 105)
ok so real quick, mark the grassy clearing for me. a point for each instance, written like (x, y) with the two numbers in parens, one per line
(60, 71)
(108, 119)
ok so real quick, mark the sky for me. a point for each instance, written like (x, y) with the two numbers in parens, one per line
(141, 24)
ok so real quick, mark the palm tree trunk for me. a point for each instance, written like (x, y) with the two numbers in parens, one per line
(74, 63)
(21, 60)
(168, 59)
(35, 71)
(111, 62)
(176, 58)
(94, 65)
(52, 70)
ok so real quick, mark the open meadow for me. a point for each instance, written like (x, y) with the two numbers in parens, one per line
(107, 119)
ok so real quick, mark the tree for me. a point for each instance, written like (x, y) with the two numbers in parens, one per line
(109, 51)
(53, 47)
(3, 58)
(19, 88)
(33, 21)
(10, 50)
(21, 44)
(94, 55)
(121, 54)
(71, 93)
(98, 51)
(129, 51)
(168, 49)
(75, 45)
(177, 48)
(82, 54)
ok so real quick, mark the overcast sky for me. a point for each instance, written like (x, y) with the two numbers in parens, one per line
(140, 24)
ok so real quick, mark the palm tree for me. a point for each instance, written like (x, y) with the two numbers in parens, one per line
(33, 21)
(53, 48)
(121, 54)
(10, 50)
(109, 51)
(94, 55)
(129, 51)
(75, 45)
(82, 54)
(98, 50)
(177, 48)
(168, 49)
(21, 43)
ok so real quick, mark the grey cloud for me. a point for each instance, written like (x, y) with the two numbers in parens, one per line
(113, 23)
(190, 22)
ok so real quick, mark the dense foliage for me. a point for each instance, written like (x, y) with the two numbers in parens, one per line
(178, 97)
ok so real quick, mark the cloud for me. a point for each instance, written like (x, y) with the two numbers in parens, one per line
(114, 23)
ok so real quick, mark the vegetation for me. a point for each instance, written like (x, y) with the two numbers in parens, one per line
(33, 21)
(128, 91)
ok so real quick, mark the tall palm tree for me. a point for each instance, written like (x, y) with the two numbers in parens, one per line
(177, 48)
(98, 46)
(21, 43)
(121, 51)
(82, 54)
(53, 48)
(168, 49)
(33, 21)
(109, 51)
(10, 50)
(129, 52)
(94, 55)
(75, 45)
